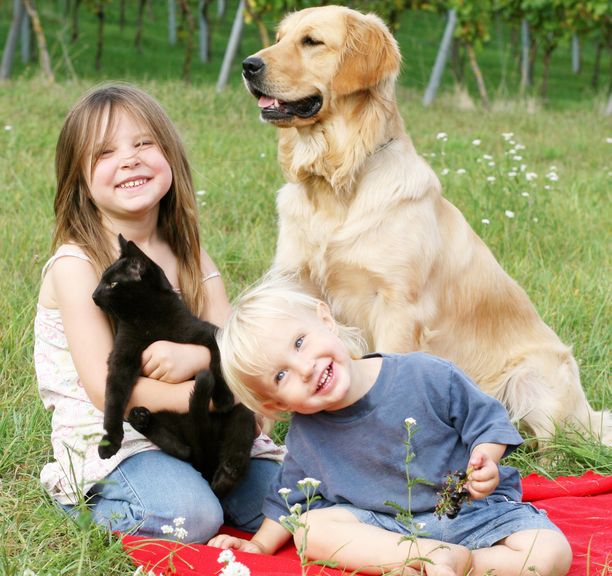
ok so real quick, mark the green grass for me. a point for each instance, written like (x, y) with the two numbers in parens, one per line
(557, 246)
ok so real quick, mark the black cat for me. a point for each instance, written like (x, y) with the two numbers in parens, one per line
(135, 291)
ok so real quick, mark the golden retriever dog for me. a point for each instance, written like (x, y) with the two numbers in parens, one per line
(363, 222)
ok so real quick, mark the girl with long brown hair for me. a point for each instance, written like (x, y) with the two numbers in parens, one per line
(121, 168)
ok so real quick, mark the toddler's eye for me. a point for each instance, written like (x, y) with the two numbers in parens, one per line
(279, 376)
(299, 342)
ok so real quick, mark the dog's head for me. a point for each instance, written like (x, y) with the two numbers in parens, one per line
(320, 54)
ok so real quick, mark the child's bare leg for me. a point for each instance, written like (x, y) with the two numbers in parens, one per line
(528, 552)
(337, 535)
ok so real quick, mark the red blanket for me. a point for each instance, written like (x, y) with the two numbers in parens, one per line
(580, 506)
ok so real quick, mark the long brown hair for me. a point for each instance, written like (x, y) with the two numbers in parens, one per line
(77, 219)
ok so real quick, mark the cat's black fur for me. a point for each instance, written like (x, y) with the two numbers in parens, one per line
(136, 293)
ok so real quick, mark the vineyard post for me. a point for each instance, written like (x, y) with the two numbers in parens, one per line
(172, 22)
(11, 40)
(232, 47)
(442, 56)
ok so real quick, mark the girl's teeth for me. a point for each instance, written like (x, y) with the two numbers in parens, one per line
(132, 184)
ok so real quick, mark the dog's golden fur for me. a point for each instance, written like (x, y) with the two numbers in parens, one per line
(363, 221)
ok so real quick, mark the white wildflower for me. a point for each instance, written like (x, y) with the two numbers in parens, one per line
(509, 214)
(419, 525)
(262, 155)
(547, 187)
(284, 491)
(226, 556)
(490, 178)
(608, 140)
(167, 529)
(8, 128)
(476, 142)
(535, 219)
(282, 518)
(552, 176)
(507, 136)
(523, 167)
(530, 176)
(461, 171)
(487, 157)
(27, 571)
(445, 171)
(513, 173)
(491, 163)
(517, 158)
(201, 193)
(296, 509)
(235, 569)
(525, 194)
(519, 147)
(442, 136)
(180, 521)
(410, 421)
(486, 221)
(313, 482)
(180, 533)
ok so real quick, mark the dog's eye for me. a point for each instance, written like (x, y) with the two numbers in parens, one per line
(310, 41)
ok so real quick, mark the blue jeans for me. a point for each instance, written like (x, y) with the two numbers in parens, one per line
(151, 489)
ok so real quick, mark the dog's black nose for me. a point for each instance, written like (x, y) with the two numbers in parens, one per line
(252, 66)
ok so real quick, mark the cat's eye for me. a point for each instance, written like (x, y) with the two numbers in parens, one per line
(113, 284)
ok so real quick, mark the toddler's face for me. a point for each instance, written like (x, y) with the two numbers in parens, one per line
(310, 366)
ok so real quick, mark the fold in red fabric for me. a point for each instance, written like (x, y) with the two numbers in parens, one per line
(580, 506)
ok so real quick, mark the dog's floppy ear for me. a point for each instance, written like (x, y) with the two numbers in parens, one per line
(370, 54)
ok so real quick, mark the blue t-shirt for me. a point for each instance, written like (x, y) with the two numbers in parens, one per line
(358, 453)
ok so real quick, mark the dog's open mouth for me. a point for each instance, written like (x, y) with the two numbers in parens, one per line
(273, 109)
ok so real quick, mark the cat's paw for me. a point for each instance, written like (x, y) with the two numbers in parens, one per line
(227, 475)
(139, 418)
(107, 448)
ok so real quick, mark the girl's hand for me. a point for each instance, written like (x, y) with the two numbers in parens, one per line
(484, 476)
(173, 362)
(225, 541)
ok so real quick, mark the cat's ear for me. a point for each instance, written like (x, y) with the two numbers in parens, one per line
(131, 249)
(122, 244)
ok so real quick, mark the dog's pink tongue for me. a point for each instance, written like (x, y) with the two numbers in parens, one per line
(265, 102)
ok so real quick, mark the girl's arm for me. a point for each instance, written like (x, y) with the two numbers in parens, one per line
(268, 539)
(90, 340)
(172, 362)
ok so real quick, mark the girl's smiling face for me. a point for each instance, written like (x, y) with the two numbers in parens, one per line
(311, 369)
(131, 174)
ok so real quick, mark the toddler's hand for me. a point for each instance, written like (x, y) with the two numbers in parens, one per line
(173, 362)
(484, 476)
(225, 541)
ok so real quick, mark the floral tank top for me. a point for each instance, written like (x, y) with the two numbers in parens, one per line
(76, 424)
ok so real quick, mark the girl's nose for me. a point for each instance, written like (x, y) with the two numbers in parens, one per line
(131, 160)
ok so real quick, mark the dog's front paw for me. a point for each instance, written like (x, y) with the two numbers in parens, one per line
(107, 447)
(140, 418)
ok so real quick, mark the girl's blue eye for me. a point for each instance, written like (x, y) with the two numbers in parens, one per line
(299, 342)
(279, 376)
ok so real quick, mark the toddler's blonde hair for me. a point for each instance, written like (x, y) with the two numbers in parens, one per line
(274, 297)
